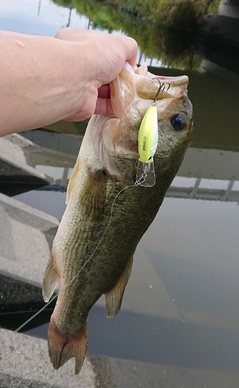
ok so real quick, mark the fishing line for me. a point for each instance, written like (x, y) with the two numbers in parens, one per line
(103, 235)
(35, 315)
(145, 174)
(137, 183)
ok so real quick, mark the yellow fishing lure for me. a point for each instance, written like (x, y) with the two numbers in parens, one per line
(147, 145)
(148, 135)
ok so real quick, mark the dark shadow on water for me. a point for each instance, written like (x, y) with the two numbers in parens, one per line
(12, 188)
(13, 320)
(165, 341)
(19, 301)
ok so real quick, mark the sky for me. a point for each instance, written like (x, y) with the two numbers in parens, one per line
(24, 16)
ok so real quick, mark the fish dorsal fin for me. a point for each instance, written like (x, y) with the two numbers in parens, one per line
(72, 180)
(50, 280)
(114, 297)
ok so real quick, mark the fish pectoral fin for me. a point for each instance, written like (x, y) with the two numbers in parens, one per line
(63, 346)
(93, 194)
(72, 180)
(50, 280)
(114, 297)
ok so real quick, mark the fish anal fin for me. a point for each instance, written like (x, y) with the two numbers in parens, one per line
(93, 194)
(72, 181)
(63, 346)
(114, 297)
(51, 279)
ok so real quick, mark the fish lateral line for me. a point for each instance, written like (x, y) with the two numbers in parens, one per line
(137, 183)
(145, 176)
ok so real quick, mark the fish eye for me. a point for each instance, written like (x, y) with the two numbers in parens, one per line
(178, 121)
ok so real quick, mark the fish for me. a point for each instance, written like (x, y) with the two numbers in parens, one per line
(107, 211)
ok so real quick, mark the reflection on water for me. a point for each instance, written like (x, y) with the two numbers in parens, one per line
(168, 341)
(181, 303)
(165, 30)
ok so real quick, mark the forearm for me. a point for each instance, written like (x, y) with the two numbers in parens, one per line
(36, 85)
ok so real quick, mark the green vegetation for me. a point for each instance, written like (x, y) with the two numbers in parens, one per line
(64, 3)
(164, 29)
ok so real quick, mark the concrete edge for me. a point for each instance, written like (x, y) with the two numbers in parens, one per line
(10, 204)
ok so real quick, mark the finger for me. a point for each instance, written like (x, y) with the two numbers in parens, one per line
(131, 47)
(128, 44)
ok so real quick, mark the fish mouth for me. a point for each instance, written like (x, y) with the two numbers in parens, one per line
(136, 86)
(149, 85)
(133, 91)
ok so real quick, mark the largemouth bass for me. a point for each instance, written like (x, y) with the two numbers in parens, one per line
(93, 249)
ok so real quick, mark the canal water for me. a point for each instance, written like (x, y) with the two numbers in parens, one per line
(180, 312)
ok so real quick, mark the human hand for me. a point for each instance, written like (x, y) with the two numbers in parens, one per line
(102, 56)
(61, 78)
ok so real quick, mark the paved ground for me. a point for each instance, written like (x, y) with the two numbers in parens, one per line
(17, 172)
(26, 235)
(25, 363)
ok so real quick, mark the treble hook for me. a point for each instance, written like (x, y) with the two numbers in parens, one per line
(160, 89)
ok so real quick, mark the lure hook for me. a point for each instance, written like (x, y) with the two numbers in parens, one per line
(161, 88)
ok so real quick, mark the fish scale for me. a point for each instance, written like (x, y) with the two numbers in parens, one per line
(107, 213)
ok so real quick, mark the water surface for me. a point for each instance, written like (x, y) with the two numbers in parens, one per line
(180, 311)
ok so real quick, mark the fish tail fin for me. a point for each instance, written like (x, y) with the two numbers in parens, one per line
(50, 280)
(62, 347)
